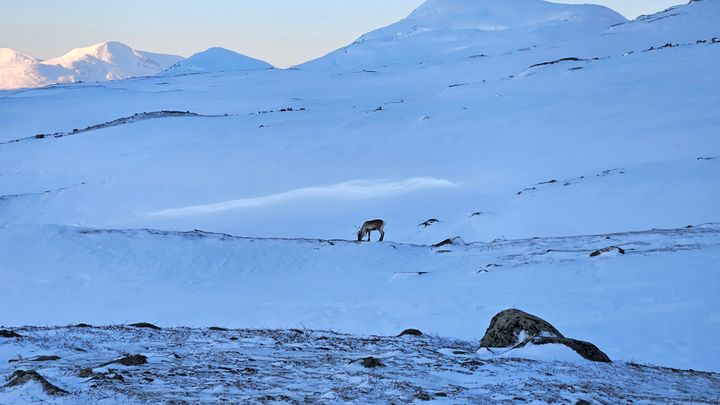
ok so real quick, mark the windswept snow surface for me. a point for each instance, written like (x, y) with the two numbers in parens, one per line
(306, 366)
(571, 121)
(96, 63)
(215, 60)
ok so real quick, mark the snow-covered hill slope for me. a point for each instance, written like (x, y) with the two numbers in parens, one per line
(440, 30)
(10, 57)
(96, 63)
(215, 60)
(660, 294)
(582, 129)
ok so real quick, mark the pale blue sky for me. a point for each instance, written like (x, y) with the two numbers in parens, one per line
(282, 32)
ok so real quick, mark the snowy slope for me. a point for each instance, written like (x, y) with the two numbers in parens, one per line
(440, 30)
(215, 60)
(564, 128)
(100, 62)
(10, 57)
(205, 279)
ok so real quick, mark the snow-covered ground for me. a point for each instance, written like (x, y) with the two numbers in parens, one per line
(654, 304)
(515, 132)
(303, 366)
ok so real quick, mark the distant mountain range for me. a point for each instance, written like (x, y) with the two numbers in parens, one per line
(113, 61)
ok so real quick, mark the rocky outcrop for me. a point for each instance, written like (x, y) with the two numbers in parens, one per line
(513, 328)
(8, 334)
(22, 377)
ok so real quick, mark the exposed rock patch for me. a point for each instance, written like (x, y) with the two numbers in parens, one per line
(132, 360)
(428, 222)
(371, 362)
(37, 359)
(411, 332)
(22, 377)
(450, 241)
(8, 334)
(144, 325)
(607, 250)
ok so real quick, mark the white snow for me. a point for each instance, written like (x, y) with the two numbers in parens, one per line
(215, 60)
(300, 366)
(441, 30)
(574, 122)
(96, 63)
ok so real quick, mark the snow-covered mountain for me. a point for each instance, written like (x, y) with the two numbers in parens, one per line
(215, 60)
(232, 198)
(10, 58)
(100, 62)
(439, 30)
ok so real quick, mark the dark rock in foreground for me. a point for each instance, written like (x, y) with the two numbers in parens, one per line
(506, 328)
(513, 328)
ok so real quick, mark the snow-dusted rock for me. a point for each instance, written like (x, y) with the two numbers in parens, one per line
(514, 329)
(513, 326)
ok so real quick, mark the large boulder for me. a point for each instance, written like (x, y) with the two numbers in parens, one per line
(513, 326)
(513, 329)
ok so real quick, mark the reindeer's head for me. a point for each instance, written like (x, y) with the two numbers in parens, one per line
(359, 234)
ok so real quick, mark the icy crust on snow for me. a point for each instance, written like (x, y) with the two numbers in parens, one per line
(96, 63)
(310, 366)
(215, 60)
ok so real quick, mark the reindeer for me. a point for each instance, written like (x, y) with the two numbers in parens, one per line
(369, 226)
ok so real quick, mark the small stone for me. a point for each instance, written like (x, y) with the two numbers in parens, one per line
(371, 362)
(85, 373)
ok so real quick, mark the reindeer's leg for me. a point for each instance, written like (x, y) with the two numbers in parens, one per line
(382, 235)
(369, 232)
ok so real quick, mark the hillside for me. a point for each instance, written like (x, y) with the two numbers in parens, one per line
(215, 60)
(526, 140)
